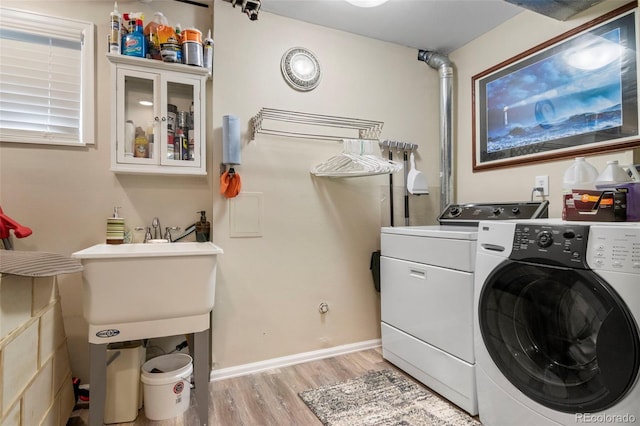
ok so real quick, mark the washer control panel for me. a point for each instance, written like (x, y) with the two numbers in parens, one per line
(615, 249)
(471, 214)
(560, 245)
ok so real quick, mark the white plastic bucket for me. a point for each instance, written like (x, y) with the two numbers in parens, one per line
(167, 393)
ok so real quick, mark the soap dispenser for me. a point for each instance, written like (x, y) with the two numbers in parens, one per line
(203, 228)
(115, 228)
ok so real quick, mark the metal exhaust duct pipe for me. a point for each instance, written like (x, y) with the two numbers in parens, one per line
(445, 70)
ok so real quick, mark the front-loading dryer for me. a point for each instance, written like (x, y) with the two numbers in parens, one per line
(556, 309)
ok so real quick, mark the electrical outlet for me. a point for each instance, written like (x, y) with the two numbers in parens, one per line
(542, 182)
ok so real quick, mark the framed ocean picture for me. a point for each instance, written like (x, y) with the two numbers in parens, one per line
(573, 95)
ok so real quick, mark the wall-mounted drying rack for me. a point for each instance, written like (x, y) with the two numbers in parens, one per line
(297, 124)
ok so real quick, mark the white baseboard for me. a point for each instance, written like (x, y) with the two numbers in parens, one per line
(255, 367)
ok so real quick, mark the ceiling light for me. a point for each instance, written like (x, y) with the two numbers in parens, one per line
(366, 3)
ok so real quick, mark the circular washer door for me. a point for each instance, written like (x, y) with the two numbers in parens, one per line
(561, 336)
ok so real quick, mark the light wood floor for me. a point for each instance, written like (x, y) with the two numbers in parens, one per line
(269, 398)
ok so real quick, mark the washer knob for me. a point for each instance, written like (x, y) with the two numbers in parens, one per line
(515, 210)
(496, 211)
(544, 239)
(455, 211)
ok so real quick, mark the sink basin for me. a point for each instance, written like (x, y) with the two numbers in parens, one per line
(147, 290)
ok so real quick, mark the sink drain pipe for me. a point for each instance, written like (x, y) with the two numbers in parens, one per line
(445, 70)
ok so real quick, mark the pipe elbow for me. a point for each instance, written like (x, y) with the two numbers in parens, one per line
(434, 59)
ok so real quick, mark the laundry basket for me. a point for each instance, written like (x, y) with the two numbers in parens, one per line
(167, 386)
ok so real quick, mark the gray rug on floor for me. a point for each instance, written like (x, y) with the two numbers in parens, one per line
(380, 398)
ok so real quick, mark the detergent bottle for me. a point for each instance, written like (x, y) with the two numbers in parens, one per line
(133, 44)
(612, 175)
(151, 34)
(580, 175)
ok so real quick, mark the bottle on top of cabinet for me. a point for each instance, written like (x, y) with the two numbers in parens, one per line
(133, 43)
(115, 27)
(207, 53)
(151, 34)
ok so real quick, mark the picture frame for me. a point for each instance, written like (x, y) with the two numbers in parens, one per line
(573, 95)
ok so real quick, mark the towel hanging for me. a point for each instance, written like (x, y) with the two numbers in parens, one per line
(230, 183)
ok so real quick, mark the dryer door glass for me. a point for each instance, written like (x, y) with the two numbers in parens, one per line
(561, 336)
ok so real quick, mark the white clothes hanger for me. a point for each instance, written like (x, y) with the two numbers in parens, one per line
(359, 157)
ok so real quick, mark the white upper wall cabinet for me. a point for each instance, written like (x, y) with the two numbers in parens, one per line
(157, 117)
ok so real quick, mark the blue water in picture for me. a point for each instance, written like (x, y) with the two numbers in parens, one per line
(570, 93)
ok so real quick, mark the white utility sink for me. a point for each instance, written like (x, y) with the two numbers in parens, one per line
(145, 290)
(140, 291)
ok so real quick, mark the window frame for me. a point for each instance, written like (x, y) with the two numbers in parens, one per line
(77, 30)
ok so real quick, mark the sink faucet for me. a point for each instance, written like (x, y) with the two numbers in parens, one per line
(155, 223)
(157, 231)
(167, 232)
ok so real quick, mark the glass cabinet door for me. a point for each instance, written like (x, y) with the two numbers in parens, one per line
(139, 117)
(181, 143)
(157, 124)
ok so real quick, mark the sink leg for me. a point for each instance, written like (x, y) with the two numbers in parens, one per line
(98, 383)
(201, 369)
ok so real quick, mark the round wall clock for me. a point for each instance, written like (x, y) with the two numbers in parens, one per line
(300, 69)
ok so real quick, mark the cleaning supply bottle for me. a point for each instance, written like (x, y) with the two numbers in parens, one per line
(151, 35)
(133, 44)
(580, 175)
(115, 228)
(115, 26)
(208, 53)
(612, 175)
(178, 30)
(203, 228)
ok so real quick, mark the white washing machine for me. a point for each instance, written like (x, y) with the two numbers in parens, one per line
(557, 307)
(426, 280)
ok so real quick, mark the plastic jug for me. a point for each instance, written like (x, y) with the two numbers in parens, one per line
(612, 175)
(151, 34)
(580, 175)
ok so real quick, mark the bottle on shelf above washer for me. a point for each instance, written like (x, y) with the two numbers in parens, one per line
(580, 175)
(612, 175)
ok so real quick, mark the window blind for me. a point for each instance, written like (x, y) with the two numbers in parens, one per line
(46, 79)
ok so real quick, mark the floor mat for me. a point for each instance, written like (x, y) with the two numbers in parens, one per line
(382, 398)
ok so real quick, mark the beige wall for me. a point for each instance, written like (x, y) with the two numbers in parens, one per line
(318, 234)
(65, 194)
(521, 33)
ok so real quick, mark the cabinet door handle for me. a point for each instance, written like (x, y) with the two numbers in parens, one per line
(418, 273)
(156, 118)
(164, 118)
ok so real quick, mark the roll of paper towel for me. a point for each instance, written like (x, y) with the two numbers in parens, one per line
(230, 139)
